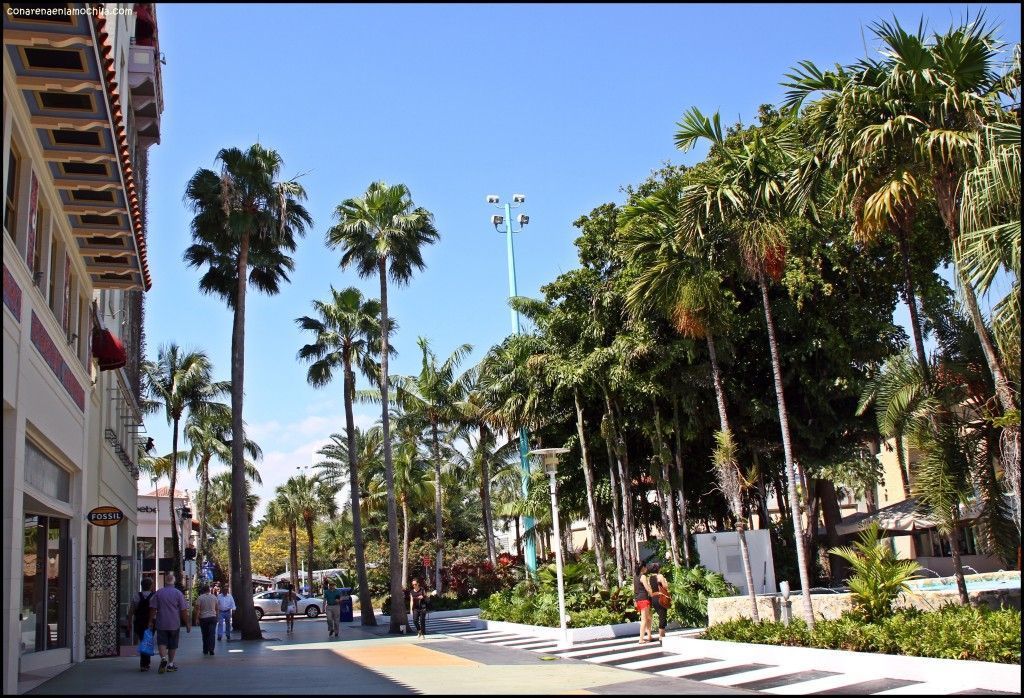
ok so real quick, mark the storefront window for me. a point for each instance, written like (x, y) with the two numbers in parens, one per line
(45, 584)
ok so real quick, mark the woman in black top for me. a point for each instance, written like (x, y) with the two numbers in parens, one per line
(138, 616)
(653, 581)
(418, 607)
(642, 596)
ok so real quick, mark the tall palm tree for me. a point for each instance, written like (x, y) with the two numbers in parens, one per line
(383, 233)
(209, 437)
(315, 499)
(750, 192)
(177, 381)
(220, 501)
(434, 395)
(285, 512)
(245, 224)
(346, 335)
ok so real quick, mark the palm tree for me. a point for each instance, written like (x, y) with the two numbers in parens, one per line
(178, 381)
(209, 437)
(750, 192)
(220, 502)
(312, 498)
(382, 233)
(434, 396)
(347, 334)
(285, 512)
(245, 224)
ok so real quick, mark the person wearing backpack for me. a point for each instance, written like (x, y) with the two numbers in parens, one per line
(138, 617)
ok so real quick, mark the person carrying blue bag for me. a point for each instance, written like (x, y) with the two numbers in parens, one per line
(138, 620)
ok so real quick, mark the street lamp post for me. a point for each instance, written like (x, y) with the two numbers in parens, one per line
(550, 458)
(530, 549)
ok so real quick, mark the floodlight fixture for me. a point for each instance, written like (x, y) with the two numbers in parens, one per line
(518, 198)
(492, 199)
(497, 220)
(523, 219)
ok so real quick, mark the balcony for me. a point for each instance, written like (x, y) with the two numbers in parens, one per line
(146, 91)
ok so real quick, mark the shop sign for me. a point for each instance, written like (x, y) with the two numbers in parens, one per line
(105, 516)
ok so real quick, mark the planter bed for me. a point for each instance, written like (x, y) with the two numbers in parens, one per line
(956, 673)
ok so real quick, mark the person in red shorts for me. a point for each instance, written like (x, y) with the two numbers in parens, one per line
(642, 596)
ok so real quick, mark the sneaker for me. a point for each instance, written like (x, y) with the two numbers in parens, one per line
(220, 638)
(163, 665)
(211, 653)
(172, 667)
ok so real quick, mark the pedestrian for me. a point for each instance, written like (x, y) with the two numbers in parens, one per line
(290, 605)
(332, 603)
(657, 587)
(642, 596)
(418, 600)
(138, 617)
(225, 605)
(166, 616)
(206, 616)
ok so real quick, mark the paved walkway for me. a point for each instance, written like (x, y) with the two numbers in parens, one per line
(361, 661)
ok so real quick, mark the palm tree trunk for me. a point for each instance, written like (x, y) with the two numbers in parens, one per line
(245, 615)
(438, 524)
(519, 539)
(588, 478)
(293, 554)
(901, 460)
(909, 296)
(309, 554)
(398, 611)
(747, 572)
(485, 499)
(365, 602)
(954, 547)
(203, 515)
(620, 564)
(794, 504)
(175, 543)
(629, 548)
(405, 542)
(666, 487)
(682, 481)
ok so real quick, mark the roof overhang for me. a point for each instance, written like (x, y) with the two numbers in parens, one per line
(65, 72)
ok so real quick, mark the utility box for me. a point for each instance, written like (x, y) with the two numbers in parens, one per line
(720, 552)
(345, 615)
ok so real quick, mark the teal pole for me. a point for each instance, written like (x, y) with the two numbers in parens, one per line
(530, 548)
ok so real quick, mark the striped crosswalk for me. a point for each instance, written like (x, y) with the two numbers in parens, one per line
(625, 653)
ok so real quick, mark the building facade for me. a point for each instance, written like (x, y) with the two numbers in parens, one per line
(82, 103)
(153, 534)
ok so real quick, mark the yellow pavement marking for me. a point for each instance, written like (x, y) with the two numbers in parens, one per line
(402, 656)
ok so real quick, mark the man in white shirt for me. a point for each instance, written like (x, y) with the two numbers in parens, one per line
(225, 605)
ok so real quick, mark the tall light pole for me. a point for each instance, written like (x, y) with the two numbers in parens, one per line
(530, 549)
(550, 458)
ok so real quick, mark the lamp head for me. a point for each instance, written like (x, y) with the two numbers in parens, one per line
(523, 219)
(492, 199)
(518, 198)
(497, 220)
(549, 457)
(784, 588)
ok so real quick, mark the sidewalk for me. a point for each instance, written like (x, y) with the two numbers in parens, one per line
(361, 661)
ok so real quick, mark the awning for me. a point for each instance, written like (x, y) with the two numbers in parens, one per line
(108, 350)
(902, 517)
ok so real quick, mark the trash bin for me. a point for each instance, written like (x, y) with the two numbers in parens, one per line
(346, 605)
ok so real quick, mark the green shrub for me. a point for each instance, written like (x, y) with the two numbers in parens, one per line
(878, 574)
(952, 632)
(691, 588)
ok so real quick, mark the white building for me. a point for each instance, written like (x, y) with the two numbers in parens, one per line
(154, 531)
(82, 103)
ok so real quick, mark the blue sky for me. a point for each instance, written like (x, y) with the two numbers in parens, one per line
(563, 103)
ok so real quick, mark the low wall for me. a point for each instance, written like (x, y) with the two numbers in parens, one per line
(597, 632)
(831, 606)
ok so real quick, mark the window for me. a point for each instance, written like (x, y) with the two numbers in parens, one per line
(71, 313)
(930, 543)
(42, 226)
(52, 295)
(83, 330)
(11, 197)
(44, 607)
(45, 475)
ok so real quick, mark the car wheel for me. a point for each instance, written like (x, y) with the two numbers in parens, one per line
(259, 614)
(312, 611)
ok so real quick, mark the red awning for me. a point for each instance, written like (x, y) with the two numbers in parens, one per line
(108, 350)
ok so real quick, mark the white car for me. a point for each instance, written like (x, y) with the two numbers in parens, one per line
(268, 603)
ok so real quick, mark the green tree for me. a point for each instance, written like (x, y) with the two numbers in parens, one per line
(245, 224)
(878, 575)
(177, 381)
(347, 335)
(382, 233)
(220, 501)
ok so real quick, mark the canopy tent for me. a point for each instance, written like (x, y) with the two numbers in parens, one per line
(900, 518)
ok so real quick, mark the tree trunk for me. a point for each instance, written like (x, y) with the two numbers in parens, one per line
(485, 499)
(201, 552)
(630, 552)
(365, 602)
(175, 543)
(588, 478)
(682, 478)
(666, 487)
(519, 539)
(405, 544)
(438, 523)
(398, 611)
(904, 464)
(902, 231)
(794, 504)
(954, 547)
(871, 496)
(245, 615)
(617, 537)
(747, 572)
(293, 552)
(832, 514)
(309, 553)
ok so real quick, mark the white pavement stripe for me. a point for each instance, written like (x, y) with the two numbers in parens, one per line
(938, 688)
(583, 649)
(815, 685)
(698, 668)
(654, 663)
(638, 653)
(754, 675)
